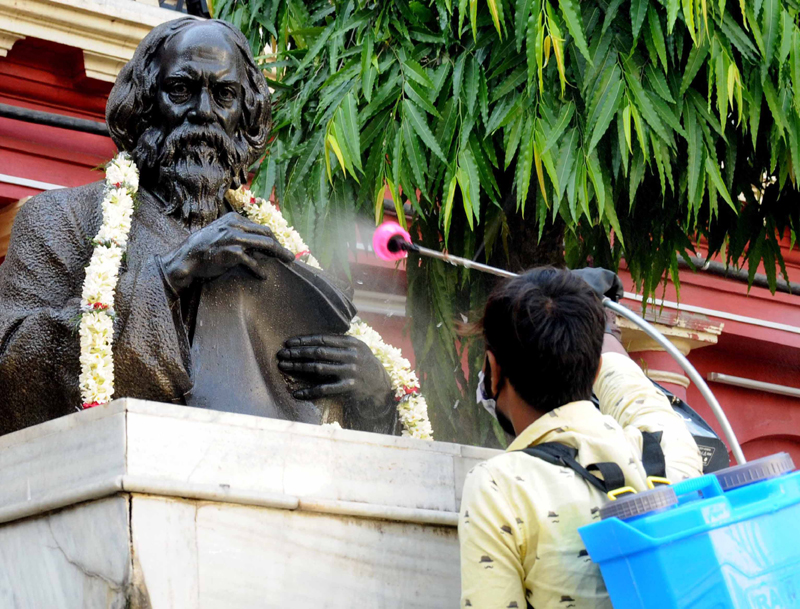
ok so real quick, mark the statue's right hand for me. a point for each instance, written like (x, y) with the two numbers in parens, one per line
(229, 241)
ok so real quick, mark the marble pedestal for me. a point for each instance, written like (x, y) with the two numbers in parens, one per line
(139, 505)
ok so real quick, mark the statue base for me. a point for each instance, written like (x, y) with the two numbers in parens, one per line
(144, 505)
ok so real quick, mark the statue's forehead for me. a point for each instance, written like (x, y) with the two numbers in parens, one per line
(202, 46)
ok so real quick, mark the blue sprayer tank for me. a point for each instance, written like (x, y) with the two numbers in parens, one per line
(725, 540)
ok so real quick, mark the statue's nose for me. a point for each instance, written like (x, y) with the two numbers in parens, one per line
(202, 111)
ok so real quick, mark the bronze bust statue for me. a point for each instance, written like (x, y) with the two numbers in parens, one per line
(206, 298)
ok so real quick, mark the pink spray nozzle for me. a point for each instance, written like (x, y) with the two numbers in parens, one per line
(385, 241)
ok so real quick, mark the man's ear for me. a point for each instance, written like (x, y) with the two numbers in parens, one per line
(496, 372)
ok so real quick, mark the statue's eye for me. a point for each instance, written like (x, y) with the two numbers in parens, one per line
(226, 94)
(178, 90)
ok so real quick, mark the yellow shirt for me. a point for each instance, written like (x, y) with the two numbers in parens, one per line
(520, 515)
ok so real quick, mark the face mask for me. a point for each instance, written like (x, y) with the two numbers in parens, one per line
(490, 404)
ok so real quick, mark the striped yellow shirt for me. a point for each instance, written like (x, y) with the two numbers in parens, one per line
(519, 520)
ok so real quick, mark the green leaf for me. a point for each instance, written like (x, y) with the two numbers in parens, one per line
(397, 155)
(473, 18)
(416, 72)
(605, 104)
(721, 70)
(694, 158)
(532, 34)
(638, 13)
(447, 126)
(306, 160)
(420, 125)
(559, 127)
(315, 48)
(659, 84)
(611, 215)
(417, 95)
(367, 71)
(688, 15)
(571, 11)
(770, 26)
(471, 84)
(467, 162)
(596, 176)
(466, 197)
(458, 74)
(514, 135)
(716, 179)
(756, 94)
(794, 61)
(516, 78)
(521, 14)
(484, 170)
(522, 178)
(414, 154)
(448, 206)
(696, 60)
(673, 7)
(566, 161)
(772, 101)
(386, 94)
(657, 35)
(350, 126)
(483, 95)
(665, 113)
(737, 37)
(611, 13)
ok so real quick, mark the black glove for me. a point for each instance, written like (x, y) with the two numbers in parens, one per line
(602, 281)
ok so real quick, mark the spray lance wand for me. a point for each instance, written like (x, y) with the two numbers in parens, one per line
(392, 242)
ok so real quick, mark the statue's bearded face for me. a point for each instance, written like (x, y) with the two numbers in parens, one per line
(194, 146)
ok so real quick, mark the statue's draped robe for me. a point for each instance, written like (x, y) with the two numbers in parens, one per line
(40, 290)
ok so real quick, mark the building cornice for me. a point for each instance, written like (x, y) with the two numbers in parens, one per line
(107, 31)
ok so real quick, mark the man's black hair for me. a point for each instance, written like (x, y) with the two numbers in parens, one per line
(545, 328)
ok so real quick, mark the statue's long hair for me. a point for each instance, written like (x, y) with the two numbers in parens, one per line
(132, 99)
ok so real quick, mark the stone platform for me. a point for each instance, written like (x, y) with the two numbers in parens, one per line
(138, 505)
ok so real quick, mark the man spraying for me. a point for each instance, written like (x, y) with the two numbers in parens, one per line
(545, 332)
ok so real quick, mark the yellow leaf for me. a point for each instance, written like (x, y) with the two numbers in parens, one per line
(546, 50)
(558, 50)
(379, 196)
(328, 161)
(626, 123)
(705, 13)
(398, 204)
(731, 81)
(537, 161)
(495, 16)
(337, 151)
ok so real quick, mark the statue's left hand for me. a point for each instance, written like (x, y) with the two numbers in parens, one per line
(343, 366)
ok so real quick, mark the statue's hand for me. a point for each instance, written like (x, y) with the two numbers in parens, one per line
(229, 241)
(336, 365)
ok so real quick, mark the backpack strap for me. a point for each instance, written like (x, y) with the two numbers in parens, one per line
(655, 466)
(559, 454)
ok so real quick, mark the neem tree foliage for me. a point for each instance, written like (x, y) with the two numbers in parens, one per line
(608, 129)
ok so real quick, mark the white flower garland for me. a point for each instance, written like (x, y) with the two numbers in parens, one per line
(96, 330)
(102, 274)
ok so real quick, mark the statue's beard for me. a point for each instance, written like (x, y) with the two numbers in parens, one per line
(193, 167)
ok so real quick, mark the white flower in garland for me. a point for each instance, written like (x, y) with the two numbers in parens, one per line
(102, 275)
